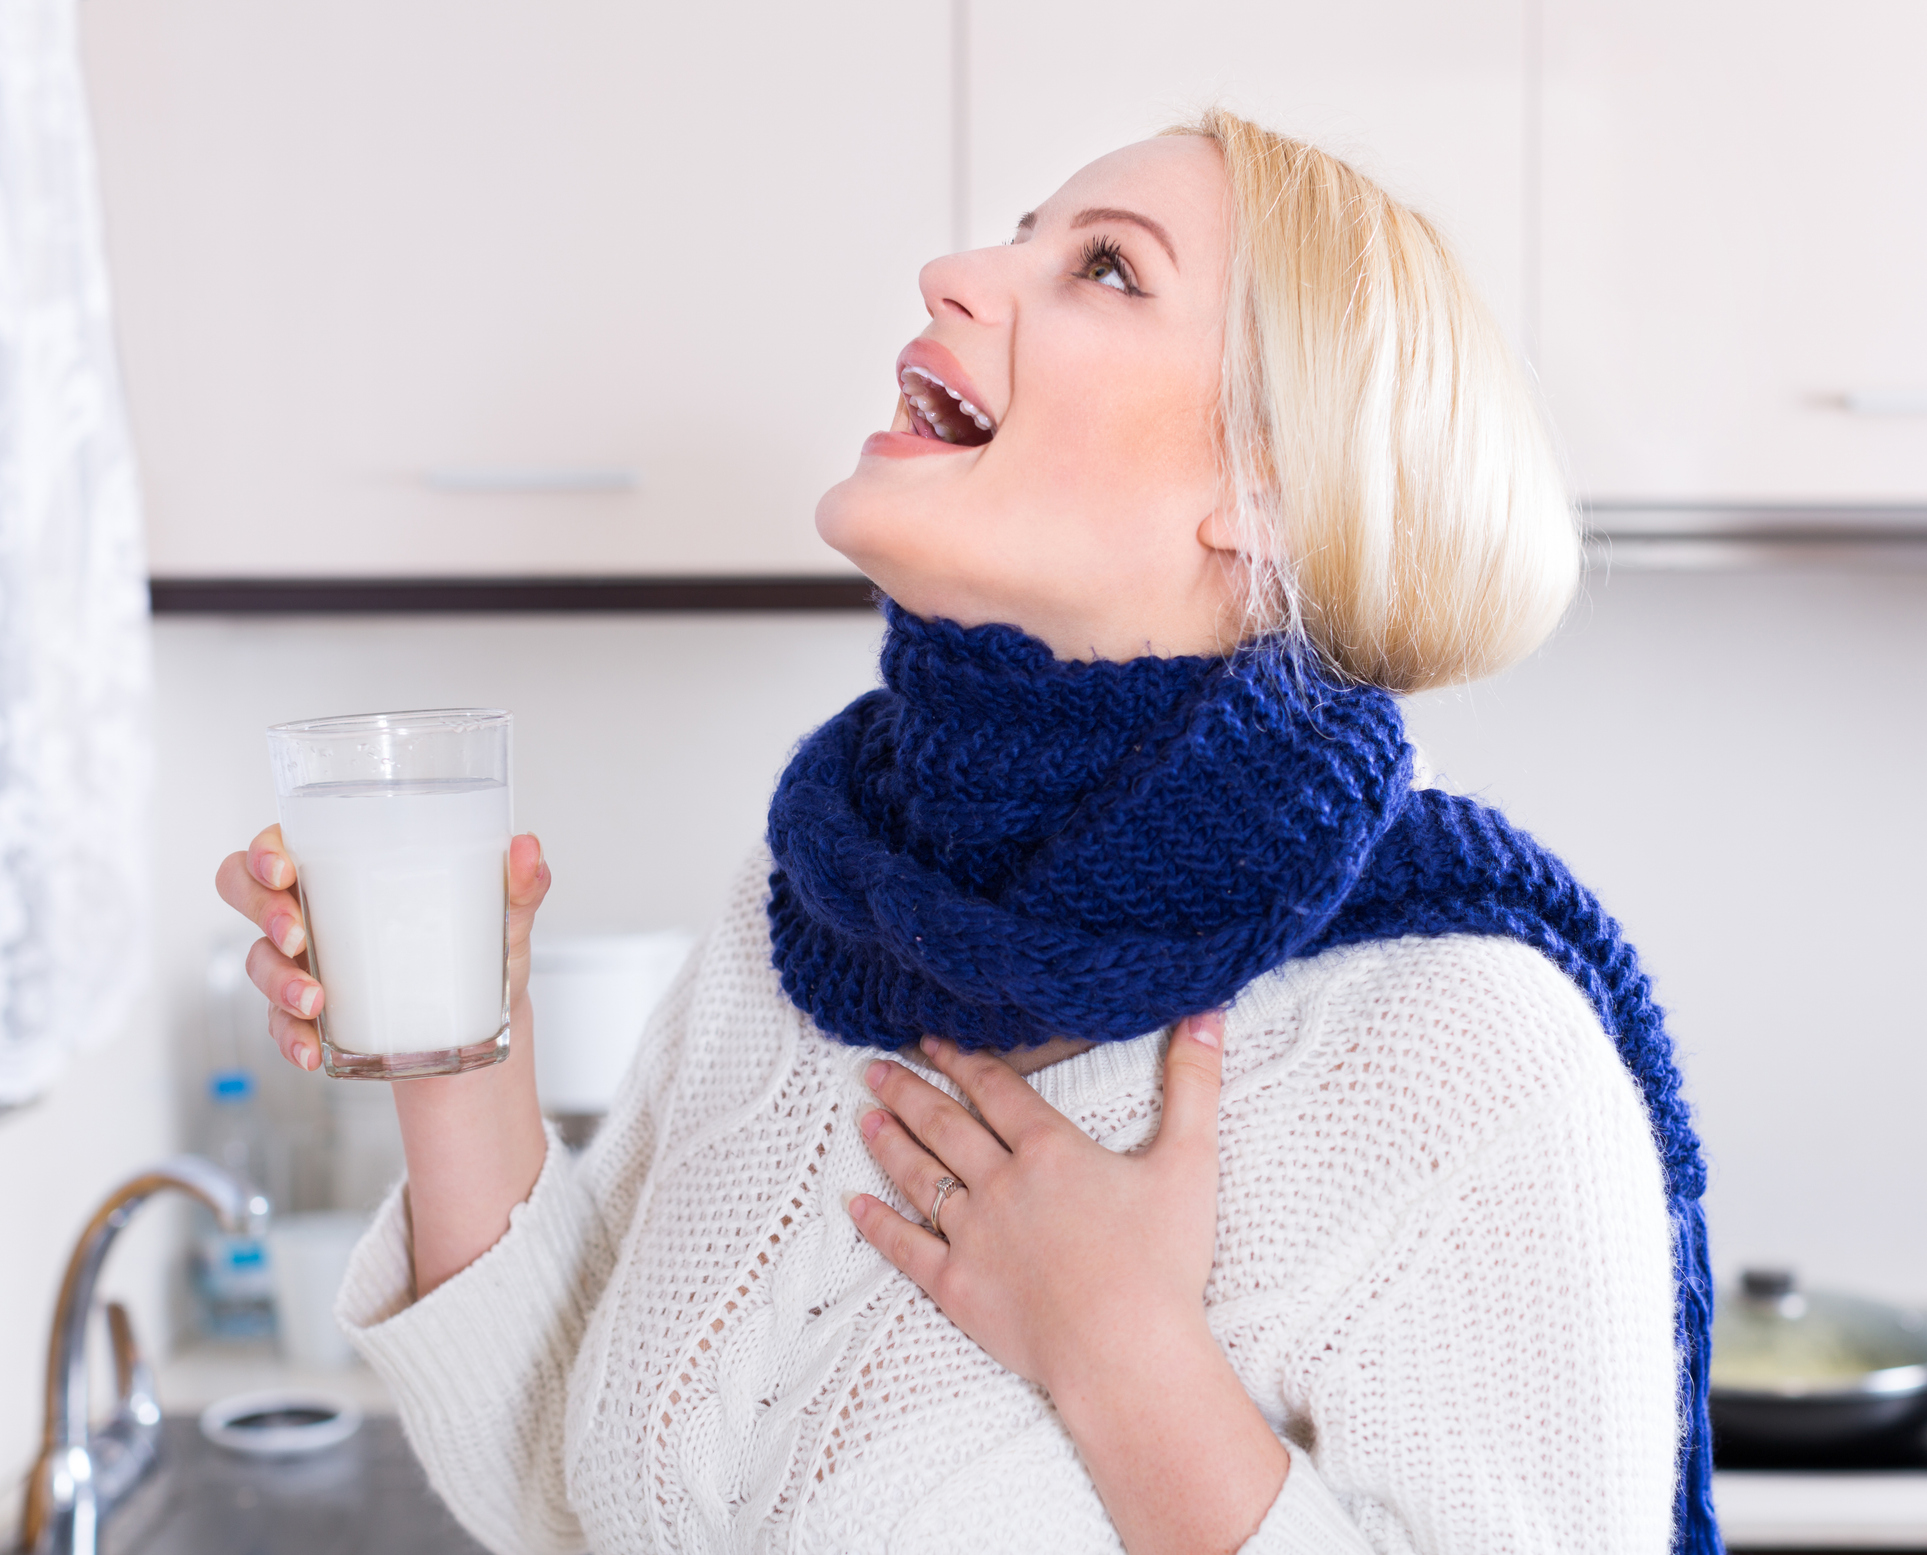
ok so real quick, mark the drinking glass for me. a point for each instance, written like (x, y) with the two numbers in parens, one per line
(398, 826)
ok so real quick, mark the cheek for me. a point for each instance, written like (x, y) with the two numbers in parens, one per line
(1146, 435)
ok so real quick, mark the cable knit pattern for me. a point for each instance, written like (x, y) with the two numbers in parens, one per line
(1003, 847)
(1443, 1271)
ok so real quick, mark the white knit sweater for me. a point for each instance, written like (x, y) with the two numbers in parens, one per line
(1443, 1272)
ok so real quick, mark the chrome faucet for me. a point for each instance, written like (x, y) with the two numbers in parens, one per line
(83, 1474)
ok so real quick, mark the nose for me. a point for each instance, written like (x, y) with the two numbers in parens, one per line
(966, 286)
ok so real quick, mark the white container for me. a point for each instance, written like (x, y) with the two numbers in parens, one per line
(308, 1256)
(592, 995)
(280, 1423)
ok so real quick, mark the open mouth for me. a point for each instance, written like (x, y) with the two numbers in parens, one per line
(939, 411)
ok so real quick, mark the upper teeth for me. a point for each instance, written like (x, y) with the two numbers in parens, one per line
(918, 386)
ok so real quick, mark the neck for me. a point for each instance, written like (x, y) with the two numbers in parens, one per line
(1028, 1060)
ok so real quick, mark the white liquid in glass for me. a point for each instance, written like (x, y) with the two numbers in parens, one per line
(405, 888)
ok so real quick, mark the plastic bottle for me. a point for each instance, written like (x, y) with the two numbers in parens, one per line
(231, 1275)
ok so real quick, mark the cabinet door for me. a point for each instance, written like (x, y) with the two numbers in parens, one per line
(1735, 262)
(503, 287)
(1428, 99)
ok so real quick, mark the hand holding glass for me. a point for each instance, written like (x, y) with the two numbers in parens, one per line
(398, 825)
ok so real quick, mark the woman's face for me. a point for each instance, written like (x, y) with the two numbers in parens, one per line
(1052, 462)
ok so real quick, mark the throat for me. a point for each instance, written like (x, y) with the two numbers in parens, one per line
(1025, 1060)
(1028, 1060)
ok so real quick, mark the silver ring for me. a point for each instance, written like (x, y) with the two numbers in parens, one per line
(945, 1187)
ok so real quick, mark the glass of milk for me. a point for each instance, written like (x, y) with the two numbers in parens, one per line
(398, 827)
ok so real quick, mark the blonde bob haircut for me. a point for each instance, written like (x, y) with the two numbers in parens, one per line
(1399, 502)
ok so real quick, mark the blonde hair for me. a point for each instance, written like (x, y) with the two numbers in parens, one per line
(1400, 505)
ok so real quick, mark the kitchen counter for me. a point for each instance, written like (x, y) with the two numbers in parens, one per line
(368, 1497)
(1882, 1509)
(364, 1497)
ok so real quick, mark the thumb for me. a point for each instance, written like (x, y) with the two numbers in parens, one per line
(1193, 1075)
(528, 882)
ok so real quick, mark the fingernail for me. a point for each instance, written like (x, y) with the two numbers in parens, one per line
(928, 1044)
(850, 1196)
(538, 850)
(310, 995)
(290, 936)
(872, 1121)
(271, 870)
(311, 1059)
(1208, 1029)
(876, 1074)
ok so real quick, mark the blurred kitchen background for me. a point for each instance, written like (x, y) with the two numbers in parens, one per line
(495, 353)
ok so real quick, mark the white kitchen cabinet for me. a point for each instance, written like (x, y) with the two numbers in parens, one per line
(495, 287)
(1429, 99)
(1735, 251)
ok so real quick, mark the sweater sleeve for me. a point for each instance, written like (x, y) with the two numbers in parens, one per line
(1502, 1378)
(1306, 1519)
(1470, 1345)
(480, 1366)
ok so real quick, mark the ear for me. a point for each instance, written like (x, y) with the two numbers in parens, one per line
(1218, 531)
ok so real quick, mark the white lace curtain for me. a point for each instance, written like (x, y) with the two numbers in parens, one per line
(73, 598)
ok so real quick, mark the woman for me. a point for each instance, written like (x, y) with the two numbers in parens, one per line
(1128, 854)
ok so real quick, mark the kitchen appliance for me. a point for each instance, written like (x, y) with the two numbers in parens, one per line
(1816, 1378)
(592, 995)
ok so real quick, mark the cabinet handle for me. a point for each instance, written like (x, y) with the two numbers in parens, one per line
(465, 481)
(1887, 402)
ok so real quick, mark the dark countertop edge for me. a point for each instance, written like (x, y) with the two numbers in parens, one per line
(564, 595)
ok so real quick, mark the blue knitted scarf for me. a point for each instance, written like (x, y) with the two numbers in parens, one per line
(1001, 848)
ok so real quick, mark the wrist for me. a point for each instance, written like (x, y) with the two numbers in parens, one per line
(1163, 1407)
(475, 1146)
(1116, 1364)
(483, 1095)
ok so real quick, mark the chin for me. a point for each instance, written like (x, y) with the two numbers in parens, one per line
(878, 524)
(880, 539)
(841, 520)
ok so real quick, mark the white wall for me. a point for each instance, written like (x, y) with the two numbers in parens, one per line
(1735, 763)
(645, 746)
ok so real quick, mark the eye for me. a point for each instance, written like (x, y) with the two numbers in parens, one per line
(1103, 262)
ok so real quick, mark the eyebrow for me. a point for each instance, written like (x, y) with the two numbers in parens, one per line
(1097, 213)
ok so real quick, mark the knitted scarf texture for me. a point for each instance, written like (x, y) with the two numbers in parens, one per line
(1001, 847)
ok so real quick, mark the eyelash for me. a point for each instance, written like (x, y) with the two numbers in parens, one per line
(1104, 251)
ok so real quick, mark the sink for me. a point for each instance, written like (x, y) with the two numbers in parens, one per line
(367, 1496)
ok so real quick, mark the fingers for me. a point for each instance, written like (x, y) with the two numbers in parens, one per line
(945, 1128)
(999, 1092)
(299, 1040)
(917, 1251)
(1193, 1076)
(268, 859)
(258, 885)
(911, 1167)
(286, 983)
